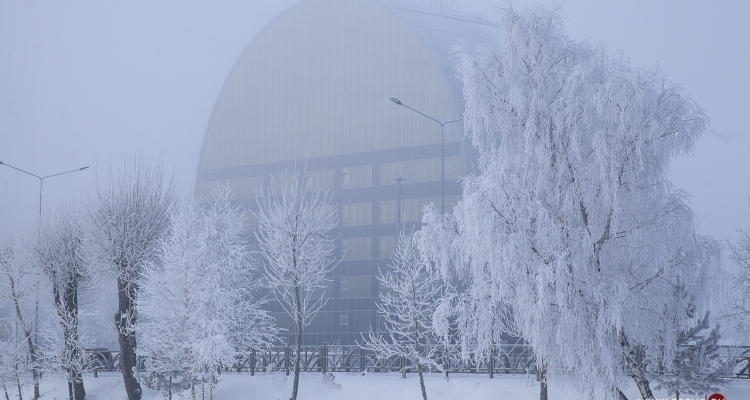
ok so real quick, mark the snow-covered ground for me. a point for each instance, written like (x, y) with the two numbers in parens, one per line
(352, 386)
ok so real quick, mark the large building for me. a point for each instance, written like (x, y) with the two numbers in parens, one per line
(312, 92)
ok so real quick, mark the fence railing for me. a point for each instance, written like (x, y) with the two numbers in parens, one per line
(505, 359)
(330, 358)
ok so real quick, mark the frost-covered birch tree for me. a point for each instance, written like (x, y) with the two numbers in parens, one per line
(410, 297)
(56, 250)
(127, 217)
(196, 304)
(294, 237)
(18, 280)
(570, 220)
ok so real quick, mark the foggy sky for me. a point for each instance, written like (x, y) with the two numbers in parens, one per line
(89, 83)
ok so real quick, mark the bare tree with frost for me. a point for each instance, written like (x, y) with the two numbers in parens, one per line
(127, 217)
(570, 221)
(739, 305)
(18, 280)
(56, 250)
(411, 296)
(14, 360)
(294, 237)
(199, 294)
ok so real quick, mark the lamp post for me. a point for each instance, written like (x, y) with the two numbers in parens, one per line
(41, 183)
(442, 148)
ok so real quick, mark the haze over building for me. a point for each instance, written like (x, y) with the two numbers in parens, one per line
(312, 93)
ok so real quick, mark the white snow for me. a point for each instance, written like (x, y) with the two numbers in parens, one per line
(380, 386)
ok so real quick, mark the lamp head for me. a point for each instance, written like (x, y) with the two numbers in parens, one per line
(82, 168)
(397, 101)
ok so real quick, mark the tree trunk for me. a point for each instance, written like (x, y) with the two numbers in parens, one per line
(29, 341)
(34, 366)
(18, 383)
(634, 368)
(421, 381)
(543, 382)
(298, 318)
(125, 319)
(67, 308)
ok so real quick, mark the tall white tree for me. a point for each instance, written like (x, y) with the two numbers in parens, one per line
(167, 301)
(571, 221)
(294, 237)
(127, 217)
(410, 294)
(199, 294)
(56, 250)
(18, 280)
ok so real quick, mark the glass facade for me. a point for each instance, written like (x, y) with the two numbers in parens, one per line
(311, 93)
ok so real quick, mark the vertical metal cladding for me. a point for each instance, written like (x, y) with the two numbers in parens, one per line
(311, 92)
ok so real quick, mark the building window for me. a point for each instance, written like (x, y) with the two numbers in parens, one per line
(345, 215)
(384, 217)
(344, 320)
(383, 250)
(345, 249)
(344, 285)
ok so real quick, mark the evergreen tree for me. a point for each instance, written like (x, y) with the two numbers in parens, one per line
(698, 366)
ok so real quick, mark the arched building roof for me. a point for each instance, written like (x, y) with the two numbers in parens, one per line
(437, 32)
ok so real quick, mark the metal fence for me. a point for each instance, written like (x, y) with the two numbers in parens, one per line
(515, 359)
(505, 359)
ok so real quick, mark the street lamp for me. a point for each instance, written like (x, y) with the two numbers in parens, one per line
(442, 148)
(41, 182)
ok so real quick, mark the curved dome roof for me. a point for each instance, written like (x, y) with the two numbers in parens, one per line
(336, 59)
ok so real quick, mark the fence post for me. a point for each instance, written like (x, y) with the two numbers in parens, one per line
(362, 353)
(286, 360)
(324, 360)
(491, 363)
(252, 362)
(446, 362)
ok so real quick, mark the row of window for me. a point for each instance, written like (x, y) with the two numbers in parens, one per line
(424, 170)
